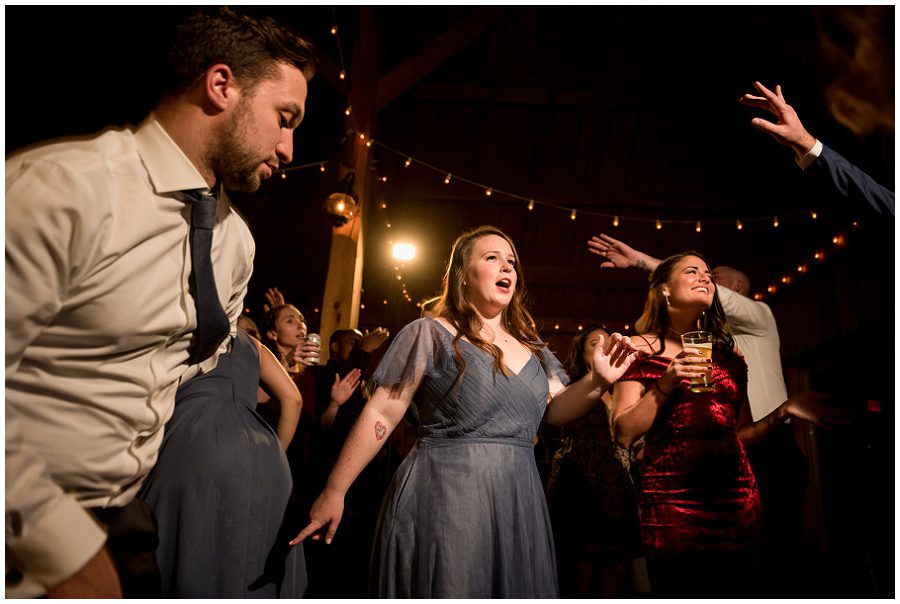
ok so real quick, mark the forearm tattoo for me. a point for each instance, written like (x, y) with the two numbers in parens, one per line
(380, 430)
(642, 265)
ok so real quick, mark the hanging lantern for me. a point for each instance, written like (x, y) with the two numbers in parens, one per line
(341, 206)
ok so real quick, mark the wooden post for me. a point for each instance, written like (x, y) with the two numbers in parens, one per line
(340, 304)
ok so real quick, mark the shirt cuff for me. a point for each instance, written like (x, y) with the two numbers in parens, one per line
(810, 156)
(53, 549)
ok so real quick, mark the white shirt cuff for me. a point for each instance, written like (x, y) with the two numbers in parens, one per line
(54, 548)
(810, 156)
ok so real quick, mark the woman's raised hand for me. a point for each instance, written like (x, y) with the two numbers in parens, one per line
(612, 357)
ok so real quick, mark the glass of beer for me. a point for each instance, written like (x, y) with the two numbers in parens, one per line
(702, 341)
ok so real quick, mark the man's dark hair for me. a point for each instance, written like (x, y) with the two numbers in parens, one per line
(252, 48)
(337, 334)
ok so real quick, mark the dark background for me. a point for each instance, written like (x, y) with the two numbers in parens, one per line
(627, 111)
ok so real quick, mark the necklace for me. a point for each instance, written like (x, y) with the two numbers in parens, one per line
(494, 336)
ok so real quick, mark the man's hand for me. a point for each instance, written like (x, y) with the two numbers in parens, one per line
(96, 579)
(788, 130)
(620, 255)
(372, 341)
(274, 299)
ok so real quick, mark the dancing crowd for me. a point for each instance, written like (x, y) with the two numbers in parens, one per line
(158, 443)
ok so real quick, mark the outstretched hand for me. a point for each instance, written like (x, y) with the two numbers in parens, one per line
(619, 254)
(274, 298)
(788, 130)
(812, 407)
(324, 517)
(343, 388)
(372, 341)
(612, 358)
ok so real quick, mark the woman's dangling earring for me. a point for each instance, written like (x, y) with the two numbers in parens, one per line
(666, 296)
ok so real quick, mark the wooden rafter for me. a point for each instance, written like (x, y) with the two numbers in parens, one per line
(445, 46)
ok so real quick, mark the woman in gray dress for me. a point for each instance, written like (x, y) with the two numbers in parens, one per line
(465, 516)
(221, 486)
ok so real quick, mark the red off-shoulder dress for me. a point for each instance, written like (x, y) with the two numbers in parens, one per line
(697, 491)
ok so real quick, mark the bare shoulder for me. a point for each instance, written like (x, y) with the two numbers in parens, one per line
(647, 343)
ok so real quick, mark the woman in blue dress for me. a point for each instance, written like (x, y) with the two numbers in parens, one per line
(221, 486)
(465, 516)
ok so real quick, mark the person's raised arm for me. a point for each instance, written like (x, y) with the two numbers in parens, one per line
(850, 182)
(274, 299)
(610, 361)
(280, 385)
(620, 255)
(787, 129)
(341, 390)
(750, 316)
(373, 427)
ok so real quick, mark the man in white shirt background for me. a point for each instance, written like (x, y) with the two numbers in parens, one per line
(101, 318)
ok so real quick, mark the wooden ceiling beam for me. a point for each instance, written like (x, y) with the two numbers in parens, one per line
(421, 63)
(329, 71)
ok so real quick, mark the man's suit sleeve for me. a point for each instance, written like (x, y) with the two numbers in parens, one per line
(852, 183)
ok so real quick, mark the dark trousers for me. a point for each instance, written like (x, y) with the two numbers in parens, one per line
(132, 539)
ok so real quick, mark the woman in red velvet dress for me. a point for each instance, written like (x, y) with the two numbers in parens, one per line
(700, 506)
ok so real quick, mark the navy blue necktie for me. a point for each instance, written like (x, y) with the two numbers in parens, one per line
(212, 322)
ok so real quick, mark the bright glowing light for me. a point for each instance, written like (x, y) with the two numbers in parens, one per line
(403, 251)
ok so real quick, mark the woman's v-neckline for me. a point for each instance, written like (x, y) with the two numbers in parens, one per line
(463, 339)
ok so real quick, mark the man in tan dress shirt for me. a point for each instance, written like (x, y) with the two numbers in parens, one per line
(99, 315)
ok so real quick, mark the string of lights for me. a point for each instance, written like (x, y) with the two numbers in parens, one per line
(490, 191)
(616, 218)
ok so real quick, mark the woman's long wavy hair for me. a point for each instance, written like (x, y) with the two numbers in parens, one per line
(270, 322)
(576, 367)
(453, 305)
(655, 318)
